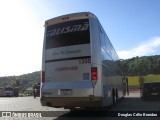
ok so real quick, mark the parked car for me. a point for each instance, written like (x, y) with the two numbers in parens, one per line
(150, 90)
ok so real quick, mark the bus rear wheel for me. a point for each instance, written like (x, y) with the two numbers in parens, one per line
(113, 97)
(116, 95)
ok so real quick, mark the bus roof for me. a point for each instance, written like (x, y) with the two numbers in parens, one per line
(69, 17)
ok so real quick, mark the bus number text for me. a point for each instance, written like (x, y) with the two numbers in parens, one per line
(85, 61)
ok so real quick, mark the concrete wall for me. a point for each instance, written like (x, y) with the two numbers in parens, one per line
(135, 80)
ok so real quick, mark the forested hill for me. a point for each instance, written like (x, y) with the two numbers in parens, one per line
(135, 66)
(23, 81)
(141, 65)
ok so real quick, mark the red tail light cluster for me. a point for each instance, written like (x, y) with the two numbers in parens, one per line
(94, 75)
(42, 76)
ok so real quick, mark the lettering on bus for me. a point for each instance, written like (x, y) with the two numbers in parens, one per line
(68, 29)
(60, 69)
(84, 61)
(67, 34)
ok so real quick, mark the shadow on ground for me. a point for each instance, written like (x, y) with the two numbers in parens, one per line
(129, 104)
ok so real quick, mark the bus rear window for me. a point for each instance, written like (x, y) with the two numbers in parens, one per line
(8, 89)
(68, 33)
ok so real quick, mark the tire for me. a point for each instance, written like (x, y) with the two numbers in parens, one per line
(144, 97)
(113, 98)
(116, 95)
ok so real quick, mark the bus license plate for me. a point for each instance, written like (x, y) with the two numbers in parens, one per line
(65, 92)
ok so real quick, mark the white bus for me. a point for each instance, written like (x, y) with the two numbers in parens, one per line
(79, 65)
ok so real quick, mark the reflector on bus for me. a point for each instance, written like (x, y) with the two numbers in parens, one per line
(42, 76)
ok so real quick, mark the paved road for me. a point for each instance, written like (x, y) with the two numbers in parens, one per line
(129, 103)
(134, 103)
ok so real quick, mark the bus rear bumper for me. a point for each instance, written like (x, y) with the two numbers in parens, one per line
(72, 101)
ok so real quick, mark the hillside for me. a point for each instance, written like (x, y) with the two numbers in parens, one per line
(23, 81)
(141, 65)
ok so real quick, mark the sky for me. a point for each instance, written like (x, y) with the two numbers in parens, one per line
(132, 26)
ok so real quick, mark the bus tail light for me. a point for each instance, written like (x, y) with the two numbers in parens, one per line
(94, 75)
(65, 18)
(42, 76)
